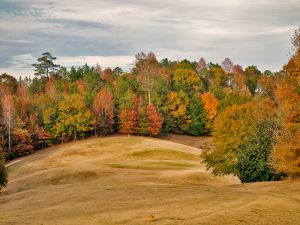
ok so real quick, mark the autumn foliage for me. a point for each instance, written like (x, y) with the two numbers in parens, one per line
(155, 120)
(232, 128)
(286, 154)
(211, 104)
(155, 98)
(128, 121)
(103, 108)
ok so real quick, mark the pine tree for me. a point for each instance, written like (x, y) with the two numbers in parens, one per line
(197, 114)
(45, 65)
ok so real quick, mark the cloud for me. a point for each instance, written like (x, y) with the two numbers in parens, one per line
(105, 61)
(250, 32)
(21, 65)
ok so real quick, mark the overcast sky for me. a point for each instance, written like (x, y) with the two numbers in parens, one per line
(111, 32)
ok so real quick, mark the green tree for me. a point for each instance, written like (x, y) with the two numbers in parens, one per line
(125, 90)
(45, 65)
(143, 123)
(186, 80)
(197, 114)
(253, 156)
(37, 86)
(159, 92)
(234, 98)
(48, 112)
(252, 75)
(75, 74)
(93, 83)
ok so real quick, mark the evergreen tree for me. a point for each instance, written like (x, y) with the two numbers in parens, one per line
(253, 157)
(197, 114)
(45, 65)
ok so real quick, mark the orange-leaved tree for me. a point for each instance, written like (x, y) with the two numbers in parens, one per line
(128, 117)
(286, 154)
(155, 120)
(211, 104)
(103, 108)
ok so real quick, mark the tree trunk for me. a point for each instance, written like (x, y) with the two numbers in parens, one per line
(9, 133)
(75, 135)
(149, 97)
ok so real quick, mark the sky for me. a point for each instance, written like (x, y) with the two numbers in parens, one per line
(111, 32)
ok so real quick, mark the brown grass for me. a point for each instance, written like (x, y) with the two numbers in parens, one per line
(125, 180)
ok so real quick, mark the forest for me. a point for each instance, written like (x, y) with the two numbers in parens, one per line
(253, 115)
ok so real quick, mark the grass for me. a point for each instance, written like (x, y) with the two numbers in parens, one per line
(124, 180)
(163, 154)
(153, 165)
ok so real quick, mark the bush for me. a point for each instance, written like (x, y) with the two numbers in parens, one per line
(253, 156)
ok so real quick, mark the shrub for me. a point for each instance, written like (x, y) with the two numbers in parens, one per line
(253, 157)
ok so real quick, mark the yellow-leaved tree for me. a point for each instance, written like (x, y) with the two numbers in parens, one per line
(211, 104)
(233, 127)
(178, 119)
(74, 118)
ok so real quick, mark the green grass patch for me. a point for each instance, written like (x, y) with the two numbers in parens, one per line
(163, 154)
(153, 165)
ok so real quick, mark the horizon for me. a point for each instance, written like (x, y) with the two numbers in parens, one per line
(112, 32)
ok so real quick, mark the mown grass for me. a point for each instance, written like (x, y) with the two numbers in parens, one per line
(163, 154)
(153, 165)
(123, 180)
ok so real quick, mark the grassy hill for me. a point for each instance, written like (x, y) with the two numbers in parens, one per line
(124, 180)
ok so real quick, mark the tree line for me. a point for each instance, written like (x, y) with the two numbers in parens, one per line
(254, 116)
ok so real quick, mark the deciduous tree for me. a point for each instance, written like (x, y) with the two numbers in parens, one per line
(74, 118)
(8, 115)
(233, 127)
(128, 121)
(186, 80)
(3, 174)
(103, 108)
(178, 118)
(155, 120)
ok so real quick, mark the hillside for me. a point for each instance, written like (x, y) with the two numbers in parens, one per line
(123, 180)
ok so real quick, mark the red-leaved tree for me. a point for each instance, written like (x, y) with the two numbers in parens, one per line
(155, 120)
(103, 108)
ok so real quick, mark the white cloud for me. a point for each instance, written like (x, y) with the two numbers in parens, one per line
(105, 61)
(250, 32)
(21, 65)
